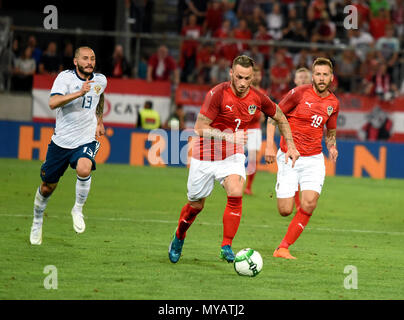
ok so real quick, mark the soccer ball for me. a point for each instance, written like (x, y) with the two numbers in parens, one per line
(248, 262)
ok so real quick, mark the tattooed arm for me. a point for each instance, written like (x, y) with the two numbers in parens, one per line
(99, 113)
(331, 143)
(270, 149)
(203, 129)
(280, 119)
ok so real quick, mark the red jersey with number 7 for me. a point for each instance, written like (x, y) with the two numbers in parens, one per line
(229, 113)
(307, 114)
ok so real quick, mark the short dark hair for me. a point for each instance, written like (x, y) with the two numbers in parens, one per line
(244, 61)
(149, 104)
(77, 51)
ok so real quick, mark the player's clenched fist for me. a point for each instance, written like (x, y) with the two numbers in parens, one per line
(86, 87)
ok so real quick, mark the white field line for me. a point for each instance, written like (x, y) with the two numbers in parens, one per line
(393, 233)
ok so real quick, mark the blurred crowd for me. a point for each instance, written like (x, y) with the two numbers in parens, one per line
(374, 65)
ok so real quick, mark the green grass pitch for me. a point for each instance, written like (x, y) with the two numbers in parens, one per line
(131, 214)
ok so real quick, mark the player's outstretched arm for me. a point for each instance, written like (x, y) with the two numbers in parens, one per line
(60, 100)
(331, 143)
(203, 129)
(286, 132)
(270, 153)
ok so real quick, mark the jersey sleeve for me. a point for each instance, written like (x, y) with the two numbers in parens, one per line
(291, 100)
(268, 107)
(332, 120)
(104, 83)
(60, 85)
(211, 105)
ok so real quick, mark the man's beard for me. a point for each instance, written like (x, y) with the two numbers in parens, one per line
(81, 69)
(322, 90)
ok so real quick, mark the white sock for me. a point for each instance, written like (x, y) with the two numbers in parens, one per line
(82, 190)
(40, 203)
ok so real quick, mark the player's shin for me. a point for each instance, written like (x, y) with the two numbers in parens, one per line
(296, 227)
(83, 185)
(231, 219)
(40, 203)
(187, 217)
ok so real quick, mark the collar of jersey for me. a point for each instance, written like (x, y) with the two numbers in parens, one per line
(82, 79)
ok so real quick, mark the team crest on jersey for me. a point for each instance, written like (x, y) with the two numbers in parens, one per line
(97, 88)
(330, 109)
(252, 108)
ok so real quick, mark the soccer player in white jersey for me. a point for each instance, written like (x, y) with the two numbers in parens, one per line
(78, 97)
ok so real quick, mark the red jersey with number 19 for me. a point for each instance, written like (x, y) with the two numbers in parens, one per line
(307, 114)
(229, 113)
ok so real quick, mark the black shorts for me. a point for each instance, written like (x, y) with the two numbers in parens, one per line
(58, 159)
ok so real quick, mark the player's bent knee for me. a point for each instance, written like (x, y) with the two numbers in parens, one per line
(83, 172)
(47, 188)
(309, 205)
(285, 209)
(83, 168)
(197, 204)
(285, 213)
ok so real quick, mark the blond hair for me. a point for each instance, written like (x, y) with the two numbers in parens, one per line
(322, 62)
(303, 69)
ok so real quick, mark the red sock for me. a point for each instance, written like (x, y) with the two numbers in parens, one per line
(231, 219)
(250, 179)
(187, 216)
(295, 228)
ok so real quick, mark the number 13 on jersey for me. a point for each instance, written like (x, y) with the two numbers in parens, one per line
(87, 100)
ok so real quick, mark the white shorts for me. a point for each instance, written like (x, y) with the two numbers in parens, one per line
(309, 173)
(254, 139)
(202, 174)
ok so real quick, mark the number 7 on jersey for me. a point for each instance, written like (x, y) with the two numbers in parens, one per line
(238, 124)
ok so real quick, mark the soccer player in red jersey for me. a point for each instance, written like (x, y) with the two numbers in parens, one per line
(218, 151)
(254, 136)
(308, 109)
(302, 76)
